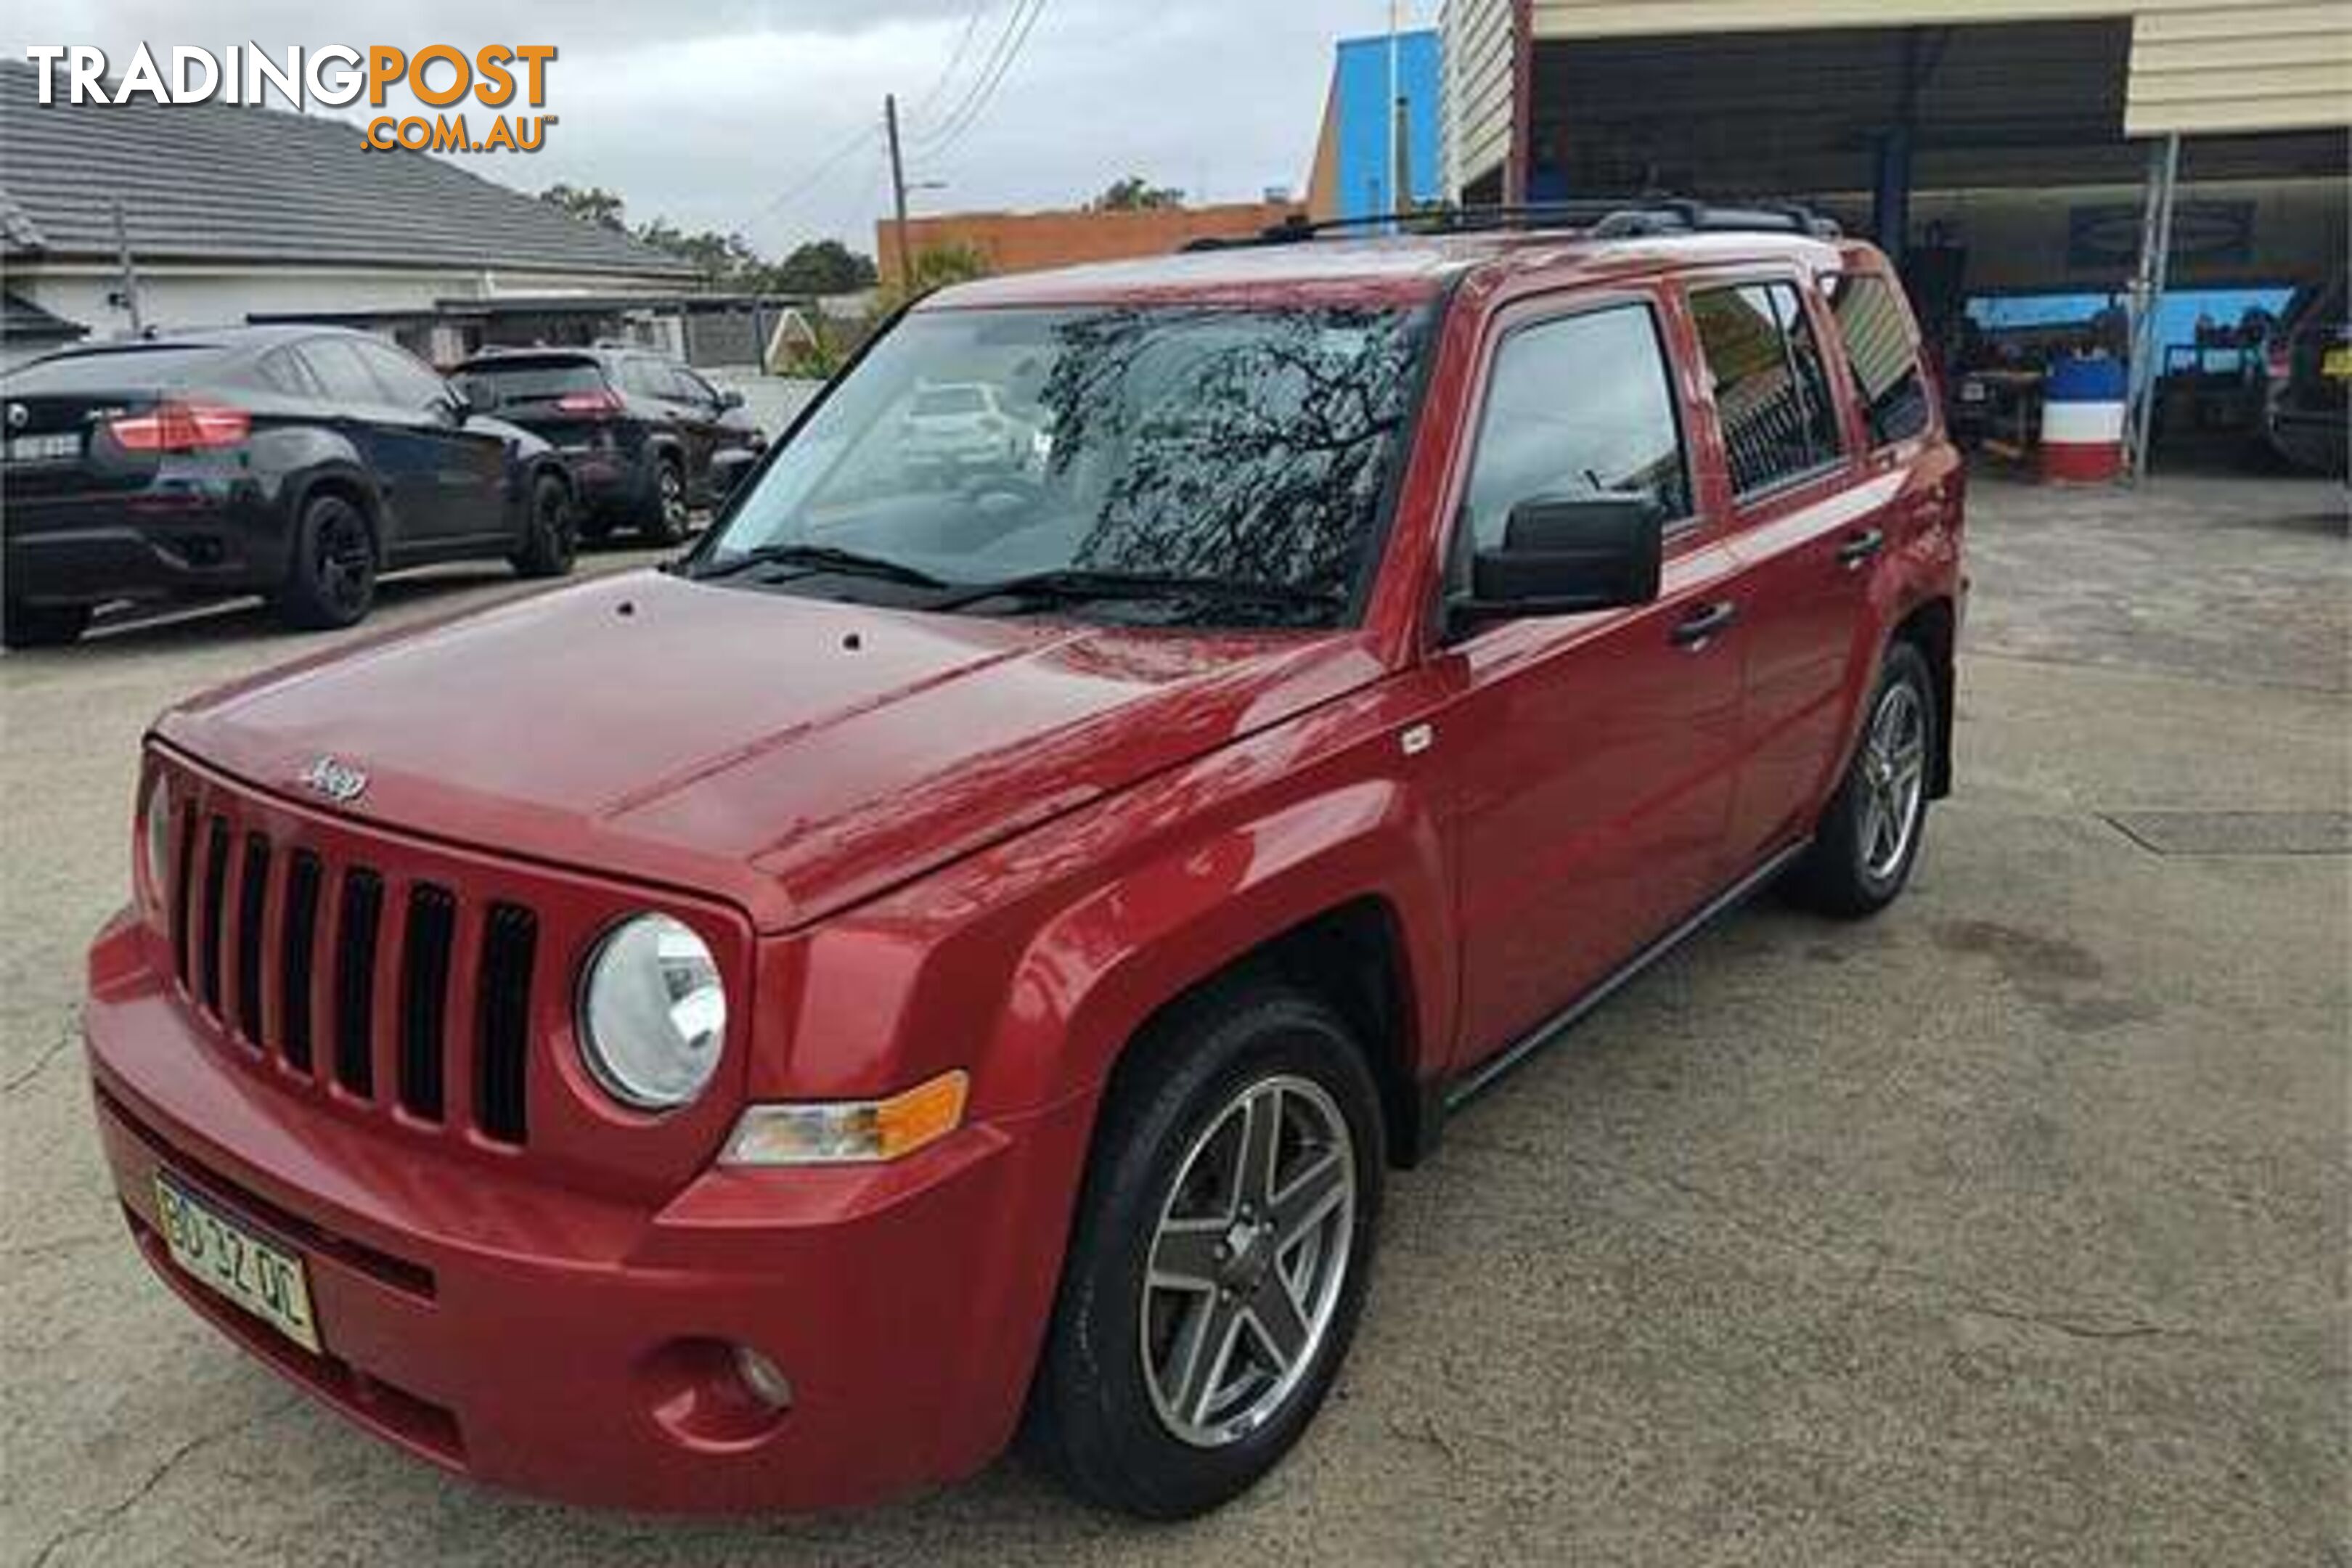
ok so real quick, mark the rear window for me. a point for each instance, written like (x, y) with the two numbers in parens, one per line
(531, 381)
(950, 400)
(123, 368)
(1882, 356)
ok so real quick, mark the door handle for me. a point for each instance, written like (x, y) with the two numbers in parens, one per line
(1860, 547)
(1694, 630)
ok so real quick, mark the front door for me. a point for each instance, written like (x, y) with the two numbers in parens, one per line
(450, 478)
(1590, 757)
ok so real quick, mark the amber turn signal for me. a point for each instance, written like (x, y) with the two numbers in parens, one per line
(849, 1131)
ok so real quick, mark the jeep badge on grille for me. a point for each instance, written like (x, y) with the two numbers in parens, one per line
(335, 781)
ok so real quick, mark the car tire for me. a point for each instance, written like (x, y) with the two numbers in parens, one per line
(666, 513)
(551, 530)
(1124, 1411)
(331, 579)
(42, 625)
(1868, 839)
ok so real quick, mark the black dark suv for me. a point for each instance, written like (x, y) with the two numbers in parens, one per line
(639, 430)
(2309, 370)
(293, 461)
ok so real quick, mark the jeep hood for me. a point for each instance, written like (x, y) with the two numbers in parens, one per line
(792, 755)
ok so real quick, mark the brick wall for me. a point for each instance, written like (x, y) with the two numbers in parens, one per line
(1030, 242)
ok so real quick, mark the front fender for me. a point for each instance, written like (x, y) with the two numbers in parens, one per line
(1094, 974)
(1033, 963)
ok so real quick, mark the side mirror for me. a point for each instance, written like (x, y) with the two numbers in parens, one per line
(728, 469)
(1565, 557)
(729, 398)
(461, 404)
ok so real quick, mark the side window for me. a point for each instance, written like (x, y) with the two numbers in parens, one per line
(688, 387)
(406, 383)
(282, 371)
(1581, 405)
(1883, 355)
(645, 378)
(342, 376)
(1769, 390)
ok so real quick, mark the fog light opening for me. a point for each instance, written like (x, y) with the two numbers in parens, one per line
(764, 1379)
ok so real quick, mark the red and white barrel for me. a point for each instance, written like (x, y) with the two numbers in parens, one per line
(2082, 420)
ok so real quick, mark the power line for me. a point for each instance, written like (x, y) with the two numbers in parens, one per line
(995, 48)
(816, 174)
(955, 57)
(977, 103)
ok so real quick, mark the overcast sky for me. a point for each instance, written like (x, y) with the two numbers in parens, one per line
(718, 113)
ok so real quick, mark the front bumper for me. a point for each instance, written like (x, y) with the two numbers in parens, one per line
(567, 1344)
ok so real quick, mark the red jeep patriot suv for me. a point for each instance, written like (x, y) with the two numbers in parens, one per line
(958, 950)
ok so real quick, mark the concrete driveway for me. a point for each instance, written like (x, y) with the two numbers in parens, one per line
(2008, 1228)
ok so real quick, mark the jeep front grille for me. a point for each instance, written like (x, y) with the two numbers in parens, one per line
(410, 987)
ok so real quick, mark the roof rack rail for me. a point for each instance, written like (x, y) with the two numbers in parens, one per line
(1604, 218)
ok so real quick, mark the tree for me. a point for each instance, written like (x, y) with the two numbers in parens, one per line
(1131, 195)
(936, 266)
(821, 267)
(593, 205)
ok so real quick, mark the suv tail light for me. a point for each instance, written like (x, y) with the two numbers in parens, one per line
(181, 426)
(604, 400)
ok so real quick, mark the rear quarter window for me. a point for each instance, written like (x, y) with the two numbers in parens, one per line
(1882, 355)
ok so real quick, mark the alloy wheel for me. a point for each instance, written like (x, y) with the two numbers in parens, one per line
(1892, 777)
(1248, 1260)
(344, 563)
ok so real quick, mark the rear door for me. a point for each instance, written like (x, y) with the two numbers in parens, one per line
(1811, 520)
(1588, 758)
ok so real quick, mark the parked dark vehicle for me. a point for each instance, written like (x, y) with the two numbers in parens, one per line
(298, 462)
(2309, 367)
(638, 430)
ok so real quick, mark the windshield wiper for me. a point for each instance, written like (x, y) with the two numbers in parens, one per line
(825, 558)
(1072, 584)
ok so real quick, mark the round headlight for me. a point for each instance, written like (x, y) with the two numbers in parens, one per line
(155, 838)
(653, 1013)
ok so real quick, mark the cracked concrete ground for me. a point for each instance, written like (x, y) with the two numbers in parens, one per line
(2008, 1228)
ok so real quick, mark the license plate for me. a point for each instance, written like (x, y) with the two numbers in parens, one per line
(58, 447)
(229, 1258)
(2337, 364)
(1974, 392)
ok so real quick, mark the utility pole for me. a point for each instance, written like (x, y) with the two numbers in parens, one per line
(897, 189)
(1396, 203)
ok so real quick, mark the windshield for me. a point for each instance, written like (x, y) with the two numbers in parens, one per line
(1243, 448)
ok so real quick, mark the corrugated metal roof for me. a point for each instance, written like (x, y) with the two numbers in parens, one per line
(212, 182)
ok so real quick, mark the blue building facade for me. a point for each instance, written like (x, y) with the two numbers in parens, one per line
(1353, 178)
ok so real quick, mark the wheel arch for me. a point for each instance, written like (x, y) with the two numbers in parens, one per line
(354, 484)
(1932, 627)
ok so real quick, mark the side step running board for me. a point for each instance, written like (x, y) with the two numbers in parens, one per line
(1484, 1076)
